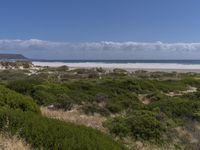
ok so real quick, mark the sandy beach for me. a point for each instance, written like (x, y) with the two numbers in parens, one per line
(152, 67)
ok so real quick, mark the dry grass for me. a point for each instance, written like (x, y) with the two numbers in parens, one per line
(7, 143)
(187, 134)
(142, 145)
(76, 116)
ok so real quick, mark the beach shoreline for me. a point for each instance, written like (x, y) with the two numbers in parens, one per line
(130, 67)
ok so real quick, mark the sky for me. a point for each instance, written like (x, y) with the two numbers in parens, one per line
(101, 29)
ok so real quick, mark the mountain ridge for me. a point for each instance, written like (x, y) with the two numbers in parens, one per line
(12, 56)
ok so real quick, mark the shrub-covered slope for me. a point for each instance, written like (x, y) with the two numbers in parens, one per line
(19, 115)
(44, 133)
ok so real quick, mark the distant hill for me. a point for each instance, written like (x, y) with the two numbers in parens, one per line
(12, 56)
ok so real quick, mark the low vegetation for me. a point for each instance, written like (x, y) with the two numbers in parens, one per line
(152, 108)
(44, 133)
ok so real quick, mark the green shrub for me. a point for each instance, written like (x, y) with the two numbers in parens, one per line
(43, 93)
(12, 75)
(191, 81)
(50, 134)
(47, 94)
(176, 107)
(11, 100)
(169, 85)
(155, 96)
(141, 124)
(43, 97)
(25, 86)
(124, 102)
(192, 96)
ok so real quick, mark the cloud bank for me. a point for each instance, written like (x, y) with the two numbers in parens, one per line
(101, 50)
(35, 44)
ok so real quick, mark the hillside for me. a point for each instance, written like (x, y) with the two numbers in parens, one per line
(94, 109)
(12, 56)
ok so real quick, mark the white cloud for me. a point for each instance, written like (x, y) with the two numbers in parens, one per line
(132, 46)
(102, 49)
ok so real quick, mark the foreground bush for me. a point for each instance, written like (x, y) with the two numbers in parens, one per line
(50, 134)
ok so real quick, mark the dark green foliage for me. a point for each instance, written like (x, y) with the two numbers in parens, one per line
(46, 94)
(176, 107)
(50, 134)
(12, 75)
(25, 86)
(125, 102)
(12, 100)
(156, 96)
(43, 93)
(55, 69)
(169, 85)
(117, 94)
(192, 96)
(140, 125)
(192, 81)
(113, 94)
(56, 94)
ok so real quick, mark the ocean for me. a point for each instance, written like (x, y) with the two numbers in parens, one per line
(124, 64)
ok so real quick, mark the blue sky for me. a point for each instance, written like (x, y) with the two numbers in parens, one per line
(101, 29)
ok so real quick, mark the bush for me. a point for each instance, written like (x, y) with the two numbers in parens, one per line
(42, 93)
(12, 74)
(156, 96)
(140, 124)
(191, 81)
(25, 86)
(11, 100)
(169, 85)
(50, 134)
(176, 107)
(192, 96)
(46, 94)
(121, 103)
